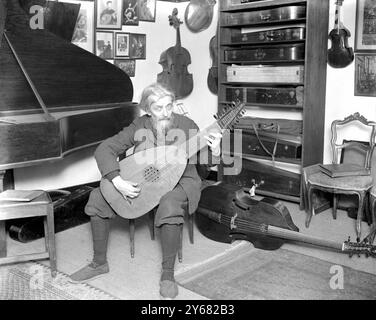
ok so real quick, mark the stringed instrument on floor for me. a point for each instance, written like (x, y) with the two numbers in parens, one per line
(157, 170)
(340, 55)
(227, 213)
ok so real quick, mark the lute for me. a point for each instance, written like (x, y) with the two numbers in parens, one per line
(157, 170)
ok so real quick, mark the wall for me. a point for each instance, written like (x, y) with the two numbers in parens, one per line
(80, 167)
(340, 99)
(201, 103)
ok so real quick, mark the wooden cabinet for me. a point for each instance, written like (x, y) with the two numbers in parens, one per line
(272, 56)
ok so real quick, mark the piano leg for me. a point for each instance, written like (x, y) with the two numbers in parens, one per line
(6, 182)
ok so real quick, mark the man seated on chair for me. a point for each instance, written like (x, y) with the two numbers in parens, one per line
(158, 103)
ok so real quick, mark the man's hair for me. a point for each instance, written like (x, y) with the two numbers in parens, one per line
(153, 93)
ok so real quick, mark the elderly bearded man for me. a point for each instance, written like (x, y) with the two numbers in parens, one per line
(158, 103)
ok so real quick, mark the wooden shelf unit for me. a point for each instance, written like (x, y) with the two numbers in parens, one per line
(315, 23)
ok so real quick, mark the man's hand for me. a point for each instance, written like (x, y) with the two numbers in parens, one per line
(126, 188)
(214, 143)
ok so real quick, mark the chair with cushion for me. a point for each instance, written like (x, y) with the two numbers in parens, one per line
(371, 236)
(354, 183)
(42, 206)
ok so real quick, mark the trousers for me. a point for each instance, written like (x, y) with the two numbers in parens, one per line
(171, 208)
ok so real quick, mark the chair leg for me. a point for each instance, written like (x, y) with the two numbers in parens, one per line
(360, 215)
(311, 211)
(151, 224)
(190, 227)
(180, 251)
(335, 201)
(3, 238)
(50, 235)
(131, 235)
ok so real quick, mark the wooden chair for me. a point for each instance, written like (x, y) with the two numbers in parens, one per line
(355, 184)
(372, 234)
(40, 206)
(151, 217)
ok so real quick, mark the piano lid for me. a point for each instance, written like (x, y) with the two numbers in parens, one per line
(63, 74)
(3, 14)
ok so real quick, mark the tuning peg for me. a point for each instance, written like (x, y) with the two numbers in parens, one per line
(215, 117)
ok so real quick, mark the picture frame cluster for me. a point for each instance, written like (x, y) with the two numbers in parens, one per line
(365, 49)
(102, 29)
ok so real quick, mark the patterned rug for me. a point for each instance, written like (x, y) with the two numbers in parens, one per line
(245, 273)
(33, 281)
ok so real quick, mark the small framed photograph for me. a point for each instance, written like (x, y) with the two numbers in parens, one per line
(127, 65)
(365, 28)
(121, 44)
(365, 75)
(146, 10)
(130, 12)
(104, 44)
(137, 46)
(83, 35)
(109, 14)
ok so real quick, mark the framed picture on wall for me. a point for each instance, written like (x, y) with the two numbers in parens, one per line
(83, 35)
(127, 65)
(121, 44)
(137, 46)
(108, 14)
(104, 44)
(365, 74)
(146, 10)
(130, 12)
(365, 29)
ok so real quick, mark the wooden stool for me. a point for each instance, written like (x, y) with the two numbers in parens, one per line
(152, 234)
(40, 206)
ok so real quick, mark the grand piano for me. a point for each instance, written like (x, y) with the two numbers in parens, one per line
(55, 98)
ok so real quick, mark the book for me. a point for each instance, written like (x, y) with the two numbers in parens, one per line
(344, 170)
(20, 195)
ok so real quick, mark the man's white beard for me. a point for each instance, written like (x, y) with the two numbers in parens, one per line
(162, 126)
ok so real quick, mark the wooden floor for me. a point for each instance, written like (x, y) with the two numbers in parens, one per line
(138, 278)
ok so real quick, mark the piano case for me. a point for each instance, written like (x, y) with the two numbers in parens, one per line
(292, 96)
(269, 178)
(280, 14)
(260, 54)
(253, 146)
(68, 213)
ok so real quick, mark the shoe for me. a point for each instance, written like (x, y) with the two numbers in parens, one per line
(168, 289)
(92, 271)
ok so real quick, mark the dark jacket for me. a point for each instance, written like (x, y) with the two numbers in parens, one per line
(109, 150)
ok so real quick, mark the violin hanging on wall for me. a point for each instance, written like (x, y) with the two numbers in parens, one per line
(340, 55)
(212, 78)
(199, 14)
(174, 62)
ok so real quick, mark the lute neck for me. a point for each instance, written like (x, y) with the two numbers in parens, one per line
(337, 20)
(178, 39)
(296, 236)
(264, 229)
